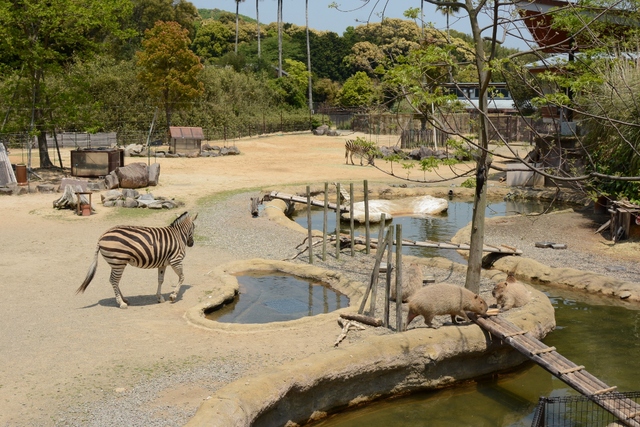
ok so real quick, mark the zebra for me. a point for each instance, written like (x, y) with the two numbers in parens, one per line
(358, 148)
(144, 247)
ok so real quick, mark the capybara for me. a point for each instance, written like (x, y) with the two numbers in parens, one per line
(442, 298)
(411, 282)
(511, 294)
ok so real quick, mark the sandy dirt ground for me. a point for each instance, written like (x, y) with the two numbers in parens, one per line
(58, 349)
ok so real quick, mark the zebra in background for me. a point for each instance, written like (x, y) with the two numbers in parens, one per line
(144, 247)
(359, 147)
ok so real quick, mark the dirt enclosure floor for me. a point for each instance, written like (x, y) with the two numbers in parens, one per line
(62, 352)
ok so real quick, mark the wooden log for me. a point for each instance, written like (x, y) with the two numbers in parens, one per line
(367, 320)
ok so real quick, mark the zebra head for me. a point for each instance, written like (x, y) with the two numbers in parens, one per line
(186, 226)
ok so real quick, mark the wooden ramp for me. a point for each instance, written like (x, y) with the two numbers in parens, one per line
(299, 199)
(626, 410)
(502, 249)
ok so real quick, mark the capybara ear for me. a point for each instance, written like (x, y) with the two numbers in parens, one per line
(476, 297)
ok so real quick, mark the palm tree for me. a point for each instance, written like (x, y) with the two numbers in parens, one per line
(306, 11)
(280, 38)
(258, 24)
(237, 19)
(448, 11)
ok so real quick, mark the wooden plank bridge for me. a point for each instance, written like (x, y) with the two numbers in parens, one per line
(626, 410)
(502, 249)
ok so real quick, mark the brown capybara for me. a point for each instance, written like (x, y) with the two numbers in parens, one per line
(511, 294)
(411, 282)
(442, 298)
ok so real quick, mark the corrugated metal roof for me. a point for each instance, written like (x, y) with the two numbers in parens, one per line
(186, 132)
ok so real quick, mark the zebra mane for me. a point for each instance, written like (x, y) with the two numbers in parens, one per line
(179, 219)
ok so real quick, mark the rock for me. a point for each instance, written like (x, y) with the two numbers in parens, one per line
(111, 180)
(130, 202)
(46, 188)
(6, 191)
(111, 195)
(133, 150)
(625, 294)
(321, 130)
(128, 192)
(154, 174)
(229, 151)
(96, 186)
(134, 175)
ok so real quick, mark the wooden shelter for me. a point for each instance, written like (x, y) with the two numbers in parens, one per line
(185, 140)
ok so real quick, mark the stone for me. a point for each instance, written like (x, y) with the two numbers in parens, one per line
(130, 203)
(129, 192)
(111, 181)
(134, 175)
(229, 151)
(154, 174)
(46, 188)
(625, 294)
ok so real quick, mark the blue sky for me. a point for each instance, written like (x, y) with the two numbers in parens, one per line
(321, 17)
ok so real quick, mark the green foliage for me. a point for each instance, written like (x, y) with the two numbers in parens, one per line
(213, 40)
(357, 91)
(469, 183)
(168, 68)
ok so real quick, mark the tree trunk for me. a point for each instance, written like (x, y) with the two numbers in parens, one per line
(258, 25)
(280, 38)
(480, 200)
(309, 58)
(237, 18)
(45, 160)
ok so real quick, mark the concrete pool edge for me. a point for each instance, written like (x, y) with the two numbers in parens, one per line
(225, 287)
(416, 360)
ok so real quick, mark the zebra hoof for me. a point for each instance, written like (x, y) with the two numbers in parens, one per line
(160, 299)
(123, 305)
(173, 297)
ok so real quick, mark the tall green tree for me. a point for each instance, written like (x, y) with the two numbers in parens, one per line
(168, 68)
(237, 23)
(46, 37)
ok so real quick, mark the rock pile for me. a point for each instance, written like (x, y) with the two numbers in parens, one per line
(324, 130)
(139, 150)
(130, 198)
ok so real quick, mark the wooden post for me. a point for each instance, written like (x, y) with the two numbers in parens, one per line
(337, 221)
(324, 221)
(374, 277)
(381, 230)
(398, 277)
(309, 226)
(351, 221)
(387, 283)
(366, 217)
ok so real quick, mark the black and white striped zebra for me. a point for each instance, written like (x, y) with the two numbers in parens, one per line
(144, 247)
(359, 148)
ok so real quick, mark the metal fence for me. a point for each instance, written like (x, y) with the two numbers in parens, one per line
(577, 411)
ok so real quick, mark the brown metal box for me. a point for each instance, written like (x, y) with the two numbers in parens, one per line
(93, 163)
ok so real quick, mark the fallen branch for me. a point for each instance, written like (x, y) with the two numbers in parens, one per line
(346, 327)
(367, 320)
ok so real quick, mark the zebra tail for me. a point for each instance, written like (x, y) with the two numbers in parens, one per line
(90, 273)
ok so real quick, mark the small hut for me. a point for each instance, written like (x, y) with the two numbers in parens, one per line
(185, 140)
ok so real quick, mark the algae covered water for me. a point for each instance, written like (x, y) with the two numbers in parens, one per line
(602, 335)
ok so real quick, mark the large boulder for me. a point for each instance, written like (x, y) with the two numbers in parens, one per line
(154, 174)
(134, 175)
